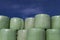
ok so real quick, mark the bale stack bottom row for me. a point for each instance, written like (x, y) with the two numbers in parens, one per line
(40, 27)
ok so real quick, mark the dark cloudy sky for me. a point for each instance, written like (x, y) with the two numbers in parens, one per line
(29, 8)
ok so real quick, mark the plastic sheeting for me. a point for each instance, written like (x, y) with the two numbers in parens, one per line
(53, 34)
(22, 35)
(16, 23)
(4, 22)
(7, 34)
(42, 21)
(29, 23)
(56, 22)
(36, 34)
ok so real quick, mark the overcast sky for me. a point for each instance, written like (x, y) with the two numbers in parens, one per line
(28, 8)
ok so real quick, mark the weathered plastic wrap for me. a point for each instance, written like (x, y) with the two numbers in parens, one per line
(42, 21)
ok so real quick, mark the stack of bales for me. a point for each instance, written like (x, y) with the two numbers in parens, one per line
(40, 27)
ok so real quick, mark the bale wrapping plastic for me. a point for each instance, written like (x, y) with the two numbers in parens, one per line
(56, 22)
(53, 34)
(29, 23)
(4, 22)
(36, 34)
(42, 21)
(16, 23)
(22, 35)
(7, 34)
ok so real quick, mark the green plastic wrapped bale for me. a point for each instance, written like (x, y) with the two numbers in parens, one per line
(53, 34)
(4, 22)
(56, 22)
(36, 34)
(29, 23)
(7, 34)
(16, 23)
(22, 35)
(42, 21)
